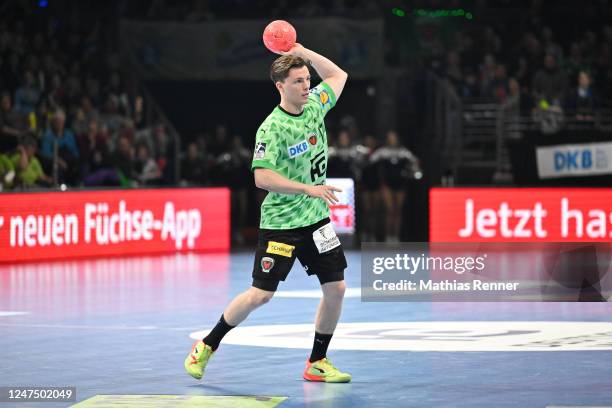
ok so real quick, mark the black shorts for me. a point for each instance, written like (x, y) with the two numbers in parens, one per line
(277, 250)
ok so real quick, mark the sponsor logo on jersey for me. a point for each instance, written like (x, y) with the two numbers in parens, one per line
(318, 166)
(324, 97)
(260, 150)
(312, 139)
(267, 264)
(279, 248)
(298, 149)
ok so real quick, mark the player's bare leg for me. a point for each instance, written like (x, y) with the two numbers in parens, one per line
(398, 206)
(387, 196)
(318, 366)
(330, 307)
(243, 304)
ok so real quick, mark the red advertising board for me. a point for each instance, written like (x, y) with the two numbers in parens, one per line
(63, 225)
(520, 215)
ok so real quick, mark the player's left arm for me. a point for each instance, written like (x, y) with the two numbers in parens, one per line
(330, 73)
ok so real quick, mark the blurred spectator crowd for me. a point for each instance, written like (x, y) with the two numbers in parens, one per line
(193, 11)
(533, 66)
(68, 113)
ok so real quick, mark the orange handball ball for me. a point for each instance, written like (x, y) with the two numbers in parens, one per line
(279, 35)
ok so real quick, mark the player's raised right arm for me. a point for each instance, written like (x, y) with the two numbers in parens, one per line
(330, 73)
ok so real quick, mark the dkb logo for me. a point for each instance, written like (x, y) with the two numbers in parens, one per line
(569, 160)
(298, 149)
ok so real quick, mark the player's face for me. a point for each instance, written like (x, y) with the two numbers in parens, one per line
(297, 85)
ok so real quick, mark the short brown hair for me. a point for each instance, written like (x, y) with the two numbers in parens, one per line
(281, 66)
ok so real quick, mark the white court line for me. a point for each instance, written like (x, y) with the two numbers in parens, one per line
(91, 327)
(314, 293)
(439, 336)
(8, 314)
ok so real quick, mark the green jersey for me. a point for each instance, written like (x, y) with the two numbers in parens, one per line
(295, 146)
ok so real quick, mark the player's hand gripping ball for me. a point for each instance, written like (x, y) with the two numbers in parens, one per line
(279, 36)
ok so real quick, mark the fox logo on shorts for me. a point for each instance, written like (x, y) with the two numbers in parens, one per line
(267, 264)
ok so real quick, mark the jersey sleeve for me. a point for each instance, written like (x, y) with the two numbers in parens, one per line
(266, 154)
(323, 96)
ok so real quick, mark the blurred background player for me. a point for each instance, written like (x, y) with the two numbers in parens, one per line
(396, 165)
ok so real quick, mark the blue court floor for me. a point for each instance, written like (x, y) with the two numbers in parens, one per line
(122, 327)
